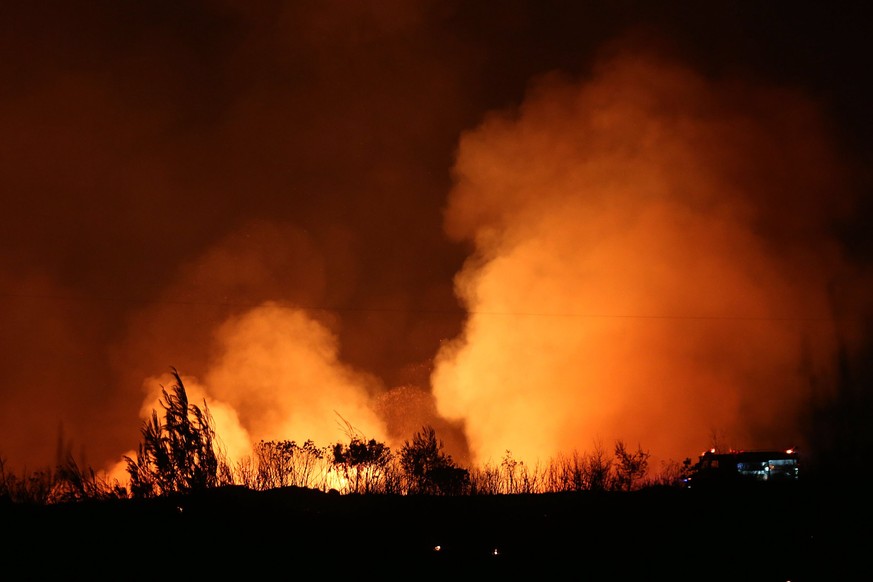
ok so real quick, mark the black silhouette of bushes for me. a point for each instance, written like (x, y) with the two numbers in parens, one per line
(428, 470)
(177, 455)
(288, 464)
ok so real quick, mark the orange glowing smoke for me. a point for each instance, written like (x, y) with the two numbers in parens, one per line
(279, 369)
(276, 376)
(652, 263)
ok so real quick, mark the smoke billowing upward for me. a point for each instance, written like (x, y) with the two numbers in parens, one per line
(655, 261)
(408, 213)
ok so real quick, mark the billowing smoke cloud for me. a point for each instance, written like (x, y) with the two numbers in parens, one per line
(230, 187)
(280, 370)
(275, 375)
(276, 368)
(170, 167)
(655, 262)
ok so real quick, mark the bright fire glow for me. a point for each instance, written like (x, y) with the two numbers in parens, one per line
(622, 286)
(289, 202)
(260, 387)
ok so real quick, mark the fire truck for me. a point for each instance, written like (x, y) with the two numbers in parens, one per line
(740, 467)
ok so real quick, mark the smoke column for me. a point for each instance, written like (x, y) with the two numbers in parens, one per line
(256, 195)
(653, 261)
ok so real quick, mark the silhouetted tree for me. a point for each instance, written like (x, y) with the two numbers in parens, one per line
(631, 466)
(597, 470)
(428, 469)
(362, 463)
(178, 455)
(565, 473)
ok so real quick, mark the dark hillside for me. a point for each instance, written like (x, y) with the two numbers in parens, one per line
(763, 533)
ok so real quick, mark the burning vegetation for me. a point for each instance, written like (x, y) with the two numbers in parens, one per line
(182, 453)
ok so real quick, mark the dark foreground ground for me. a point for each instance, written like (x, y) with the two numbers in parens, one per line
(763, 533)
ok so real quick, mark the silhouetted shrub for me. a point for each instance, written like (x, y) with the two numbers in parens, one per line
(34, 487)
(565, 473)
(285, 463)
(67, 482)
(428, 470)
(598, 470)
(630, 467)
(178, 455)
(362, 464)
(73, 483)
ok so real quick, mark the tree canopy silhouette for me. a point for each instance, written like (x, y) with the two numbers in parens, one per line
(430, 470)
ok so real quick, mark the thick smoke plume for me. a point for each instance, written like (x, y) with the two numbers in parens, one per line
(280, 371)
(276, 376)
(655, 262)
(258, 194)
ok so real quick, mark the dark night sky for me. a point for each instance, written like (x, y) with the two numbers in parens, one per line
(169, 166)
